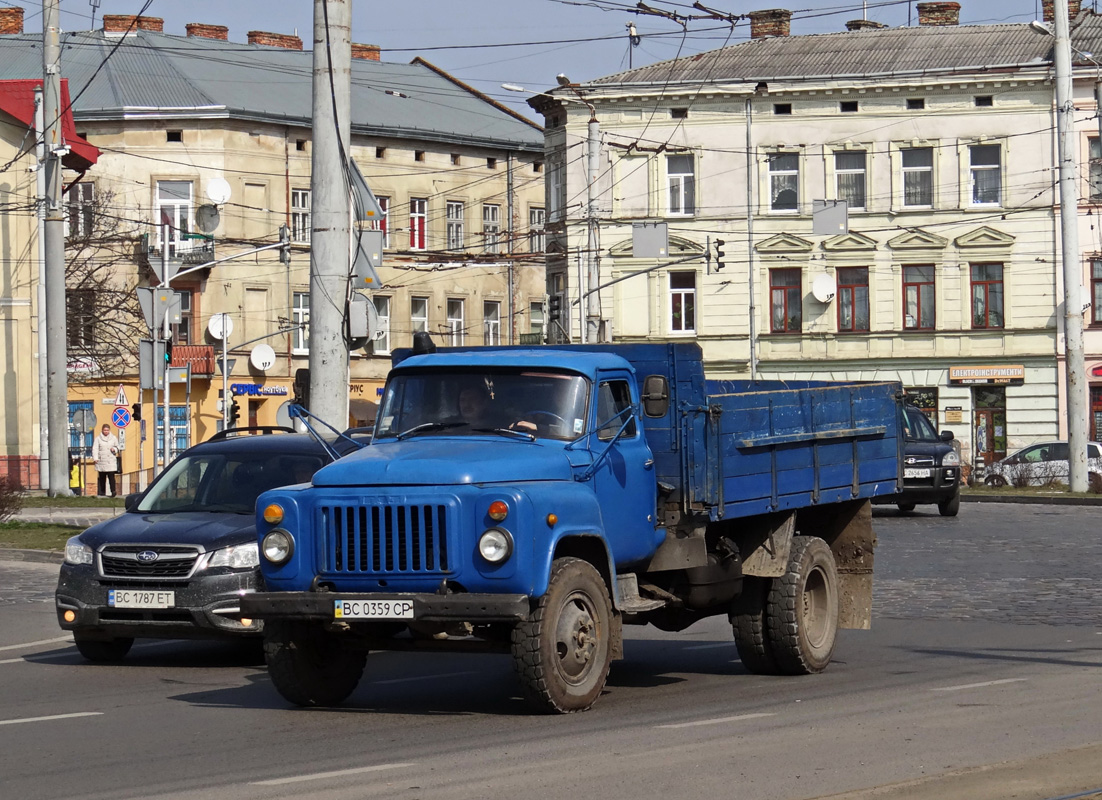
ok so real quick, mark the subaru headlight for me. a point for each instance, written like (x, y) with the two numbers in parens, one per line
(277, 546)
(241, 556)
(77, 552)
(495, 545)
(950, 459)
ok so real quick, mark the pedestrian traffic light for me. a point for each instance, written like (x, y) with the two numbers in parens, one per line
(554, 307)
(719, 254)
(168, 352)
(136, 411)
(235, 413)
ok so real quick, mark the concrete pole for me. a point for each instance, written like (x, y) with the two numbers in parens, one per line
(332, 225)
(1074, 360)
(57, 379)
(40, 302)
(166, 332)
(512, 232)
(751, 175)
(593, 166)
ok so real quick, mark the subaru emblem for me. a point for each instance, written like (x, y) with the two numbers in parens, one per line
(147, 556)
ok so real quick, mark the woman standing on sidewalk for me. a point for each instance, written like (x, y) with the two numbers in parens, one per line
(105, 455)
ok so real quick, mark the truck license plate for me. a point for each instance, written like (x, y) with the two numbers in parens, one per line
(916, 472)
(373, 609)
(138, 598)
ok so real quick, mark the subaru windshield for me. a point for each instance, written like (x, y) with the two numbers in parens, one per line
(518, 403)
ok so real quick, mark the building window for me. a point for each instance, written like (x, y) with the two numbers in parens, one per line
(381, 223)
(1095, 169)
(79, 440)
(918, 176)
(300, 145)
(418, 220)
(80, 208)
(418, 315)
(984, 101)
(849, 172)
(300, 216)
(300, 315)
(986, 174)
(682, 302)
(782, 109)
(1096, 291)
(174, 136)
(80, 318)
(925, 399)
(853, 299)
(535, 319)
(491, 163)
(491, 227)
(418, 155)
(916, 103)
(537, 231)
(785, 300)
(555, 188)
(380, 152)
(455, 325)
(784, 181)
(181, 331)
(491, 322)
(174, 208)
(918, 298)
(679, 113)
(455, 225)
(987, 295)
(381, 343)
(848, 106)
(456, 160)
(679, 173)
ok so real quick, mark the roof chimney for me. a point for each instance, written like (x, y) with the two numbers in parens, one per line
(121, 23)
(1050, 13)
(286, 41)
(772, 22)
(202, 31)
(864, 25)
(11, 20)
(367, 52)
(937, 14)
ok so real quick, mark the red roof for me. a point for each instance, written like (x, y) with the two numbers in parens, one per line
(17, 100)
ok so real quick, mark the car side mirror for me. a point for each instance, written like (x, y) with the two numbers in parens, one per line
(947, 436)
(656, 396)
(131, 500)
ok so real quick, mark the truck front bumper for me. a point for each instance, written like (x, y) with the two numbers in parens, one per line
(426, 607)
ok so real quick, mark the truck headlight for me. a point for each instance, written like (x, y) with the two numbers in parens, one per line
(277, 546)
(242, 556)
(77, 552)
(495, 545)
(950, 459)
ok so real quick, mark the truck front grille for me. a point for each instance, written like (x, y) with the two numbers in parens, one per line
(136, 563)
(385, 538)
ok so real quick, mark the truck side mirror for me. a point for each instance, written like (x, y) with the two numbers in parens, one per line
(656, 396)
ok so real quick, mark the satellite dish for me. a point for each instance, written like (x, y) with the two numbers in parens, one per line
(207, 218)
(263, 357)
(220, 326)
(218, 190)
(283, 414)
(824, 288)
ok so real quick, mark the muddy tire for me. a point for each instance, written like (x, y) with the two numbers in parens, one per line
(801, 620)
(905, 508)
(562, 651)
(749, 626)
(102, 649)
(950, 507)
(310, 667)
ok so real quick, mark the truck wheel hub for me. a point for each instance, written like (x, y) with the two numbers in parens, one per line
(576, 638)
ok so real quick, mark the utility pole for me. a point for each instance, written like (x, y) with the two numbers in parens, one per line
(511, 233)
(40, 302)
(57, 383)
(330, 239)
(1074, 360)
(591, 332)
(751, 176)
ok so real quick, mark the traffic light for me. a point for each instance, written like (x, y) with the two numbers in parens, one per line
(301, 387)
(554, 307)
(284, 244)
(719, 254)
(136, 412)
(235, 412)
(168, 353)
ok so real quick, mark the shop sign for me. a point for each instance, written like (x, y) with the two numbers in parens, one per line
(1096, 372)
(1011, 373)
(256, 390)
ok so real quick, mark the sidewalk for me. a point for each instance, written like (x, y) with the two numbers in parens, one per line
(77, 517)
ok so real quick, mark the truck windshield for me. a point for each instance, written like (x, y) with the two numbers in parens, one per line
(541, 403)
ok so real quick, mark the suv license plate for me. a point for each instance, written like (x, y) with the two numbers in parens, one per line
(136, 598)
(373, 609)
(916, 472)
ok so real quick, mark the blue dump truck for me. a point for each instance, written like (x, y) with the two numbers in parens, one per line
(533, 501)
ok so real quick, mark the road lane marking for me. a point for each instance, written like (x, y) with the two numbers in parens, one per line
(717, 721)
(340, 773)
(422, 678)
(48, 719)
(710, 646)
(977, 685)
(35, 644)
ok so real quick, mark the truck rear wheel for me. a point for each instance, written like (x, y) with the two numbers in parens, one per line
(562, 650)
(801, 618)
(749, 625)
(308, 666)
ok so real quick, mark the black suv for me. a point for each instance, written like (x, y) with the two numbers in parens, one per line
(931, 467)
(175, 565)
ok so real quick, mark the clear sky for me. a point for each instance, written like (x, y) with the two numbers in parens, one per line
(584, 39)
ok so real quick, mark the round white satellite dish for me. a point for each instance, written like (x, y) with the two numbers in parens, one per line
(220, 326)
(218, 190)
(263, 357)
(283, 415)
(824, 288)
(207, 218)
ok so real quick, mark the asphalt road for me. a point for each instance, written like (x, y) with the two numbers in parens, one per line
(981, 678)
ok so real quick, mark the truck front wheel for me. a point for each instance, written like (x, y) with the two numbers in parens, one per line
(562, 650)
(802, 609)
(308, 666)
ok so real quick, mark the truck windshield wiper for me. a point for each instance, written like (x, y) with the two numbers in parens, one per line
(428, 426)
(506, 432)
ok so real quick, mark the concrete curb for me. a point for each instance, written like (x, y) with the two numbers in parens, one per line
(36, 556)
(1043, 500)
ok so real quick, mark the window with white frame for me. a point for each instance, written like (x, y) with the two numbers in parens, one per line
(382, 224)
(300, 216)
(382, 333)
(491, 227)
(535, 319)
(181, 331)
(918, 176)
(80, 208)
(555, 187)
(418, 222)
(849, 175)
(537, 231)
(300, 315)
(173, 207)
(986, 168)
(80, 319)
(455, 225)
(455, 324)
(682, 302)
(418, 315)
(1095, 169)
(682, 185)
(784, 182)
(491, 322)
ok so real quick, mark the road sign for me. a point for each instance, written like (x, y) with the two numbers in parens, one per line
(84, 419)
(120, 417)
(120, 397)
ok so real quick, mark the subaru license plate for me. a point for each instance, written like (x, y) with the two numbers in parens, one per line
(373, 609)
(140, 598)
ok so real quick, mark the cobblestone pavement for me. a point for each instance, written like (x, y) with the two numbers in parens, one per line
(26, 583)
